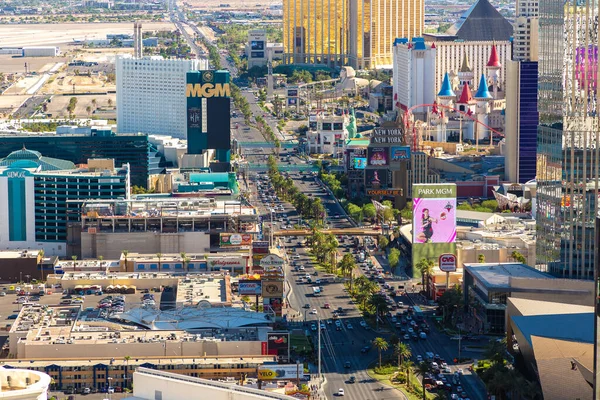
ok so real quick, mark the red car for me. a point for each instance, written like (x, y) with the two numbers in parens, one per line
(326, 305)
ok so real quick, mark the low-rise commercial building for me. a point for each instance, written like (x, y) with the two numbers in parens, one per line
(556, 342)
(327, 133)
(488, 286)
(171, 225)
(148, 382)
(23, 384)
(105, 372)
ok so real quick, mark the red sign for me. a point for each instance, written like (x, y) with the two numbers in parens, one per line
(263, 348)
(448, 262)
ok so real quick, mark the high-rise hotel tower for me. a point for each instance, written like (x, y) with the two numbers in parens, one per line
(359, 33)
(568, 138)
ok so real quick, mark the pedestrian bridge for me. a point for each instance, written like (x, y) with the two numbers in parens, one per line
(266, 145)
(340, 231)
(284, 167)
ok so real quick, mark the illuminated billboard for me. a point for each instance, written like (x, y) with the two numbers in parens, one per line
(271, 372)
(376, 179)
(434, 222)
(399, 153)
(359, 162)
(378, 156)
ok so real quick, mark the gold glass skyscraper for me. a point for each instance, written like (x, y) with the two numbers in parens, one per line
(359, 33)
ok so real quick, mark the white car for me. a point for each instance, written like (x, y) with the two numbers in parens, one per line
(349, 326)
(338, 322)
(420, 358)
(340, 392)
(313, 327)
(363, 324)
(313, 311)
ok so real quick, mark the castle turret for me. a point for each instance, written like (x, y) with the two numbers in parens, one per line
(483, 98)
(493, 68)
(467, 105)
(465, 74)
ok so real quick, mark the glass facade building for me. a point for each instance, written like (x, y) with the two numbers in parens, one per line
(528, 120)
(133, 149)
(567, 142)
(359, 33)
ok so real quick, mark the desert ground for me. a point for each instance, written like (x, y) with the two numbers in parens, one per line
(58, 106)
(62, 34)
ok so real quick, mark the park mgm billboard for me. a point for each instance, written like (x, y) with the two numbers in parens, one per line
(434, 222)
(208, 112)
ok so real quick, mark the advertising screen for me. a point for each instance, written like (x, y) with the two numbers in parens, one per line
(376, 178)
(434, 222)
(272, 289)
(250, 288)
(378, 156)
(292, 101)
(257, 54)
(292, 92)
(279, 371)
(257, 45)
(235, 239)
(360, 162)
(278, 343)
(399, 153)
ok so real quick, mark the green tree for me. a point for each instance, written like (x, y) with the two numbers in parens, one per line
(346, 266)
(481, 258)
(355, 212)
(450, 300)
(407, 212)
(425, 266)
(423, 369)
(394, 258)
(381, 345)
(369, 211)
(402, 351)
(518, 257)
(383, 242)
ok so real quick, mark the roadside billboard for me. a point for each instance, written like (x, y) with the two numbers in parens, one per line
(378, 156)
(272, 260)
(272, 289)
(279, 372)
(250, 288)
(235, 239)
(278, 344)
(376, 179)
(399, 153)
(434, 222)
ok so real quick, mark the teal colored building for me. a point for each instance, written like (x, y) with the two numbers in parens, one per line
(40, 196)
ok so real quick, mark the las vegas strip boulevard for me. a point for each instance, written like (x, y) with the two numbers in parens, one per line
(434, 222)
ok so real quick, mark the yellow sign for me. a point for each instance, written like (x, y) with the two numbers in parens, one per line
(208, 90)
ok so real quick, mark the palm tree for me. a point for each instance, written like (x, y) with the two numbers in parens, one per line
(183, 257)
(74, 258)
(423, 369)
(403, 351)
(125, 253)
(126, 358)
(159, 256)
(186, 263)
(381, 345)
(379, 303)
(408, 365)
(41, 257)
(426, 268)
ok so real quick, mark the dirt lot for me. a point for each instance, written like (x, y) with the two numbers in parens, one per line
(58, 106)
(82, 84)
(62, 34)
(10, 64)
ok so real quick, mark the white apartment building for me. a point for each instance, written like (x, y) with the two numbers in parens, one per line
(414, 65)
(327, 134)
(151, 94)
(525, 43)
(450, 55)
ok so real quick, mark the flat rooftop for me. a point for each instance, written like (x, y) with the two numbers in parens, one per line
(192, 290)
(497, 275)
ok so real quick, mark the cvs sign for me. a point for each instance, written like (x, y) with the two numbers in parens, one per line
(448, 262)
